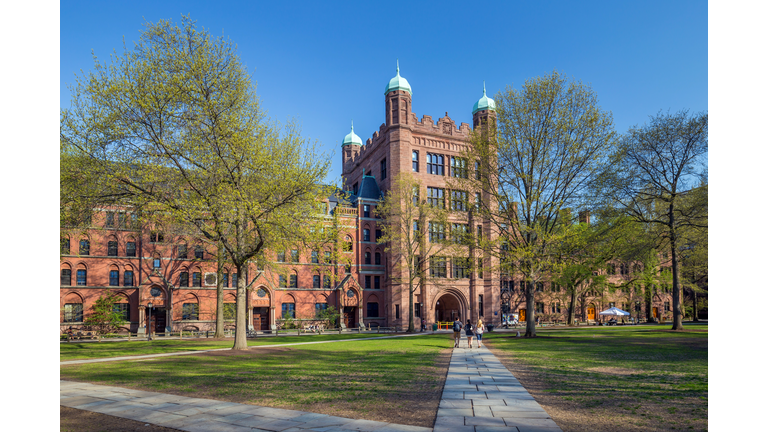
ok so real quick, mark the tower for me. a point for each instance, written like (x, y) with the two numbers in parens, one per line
(398, 100)
(350, 147)
(484, 109)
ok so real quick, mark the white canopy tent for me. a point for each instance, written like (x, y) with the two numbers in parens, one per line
(615, 312)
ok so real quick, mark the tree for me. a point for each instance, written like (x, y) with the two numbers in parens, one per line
(176, 122)
(653, 169)
(103, 318)
(548, 144)
(406, 219)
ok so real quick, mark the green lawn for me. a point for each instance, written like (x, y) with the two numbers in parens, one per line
(398, 380)
(644, 377)
(88, 350)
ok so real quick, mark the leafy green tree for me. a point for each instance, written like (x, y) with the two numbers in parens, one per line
(104, 318)
(407, 217)
(176, 123)
(652, 172)
(541, 155)
(328, 316)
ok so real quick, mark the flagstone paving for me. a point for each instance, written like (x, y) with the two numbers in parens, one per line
(480, 395)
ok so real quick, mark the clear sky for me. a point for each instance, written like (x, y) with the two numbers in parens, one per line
(327, 63)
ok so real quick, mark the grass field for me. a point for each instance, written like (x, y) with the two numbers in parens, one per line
(88, 350)
(396, 380)
(625, 378)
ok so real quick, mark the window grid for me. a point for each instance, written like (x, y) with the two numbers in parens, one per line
(459, 167)
(436, 232)
(459, 200)
(436, 197)
(415, 161)
(435, 164)
(438, 267)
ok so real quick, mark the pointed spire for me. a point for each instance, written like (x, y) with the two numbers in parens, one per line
(483, 87)
(398, 67)
(353, 125)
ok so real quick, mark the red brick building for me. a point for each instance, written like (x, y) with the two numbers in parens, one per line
(177, 275)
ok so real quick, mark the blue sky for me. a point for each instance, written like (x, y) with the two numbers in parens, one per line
(326, 63)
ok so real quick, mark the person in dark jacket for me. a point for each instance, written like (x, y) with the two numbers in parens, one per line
(468, 329)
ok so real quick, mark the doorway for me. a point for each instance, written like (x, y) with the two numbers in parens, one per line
(158, 320)
(655, 312)
(591, 313)
(261, 318)
(349, 316)
(447, 308)
(522, 315)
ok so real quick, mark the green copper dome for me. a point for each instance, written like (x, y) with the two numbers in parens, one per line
(352, 138)
(398, 83)
(485, 103)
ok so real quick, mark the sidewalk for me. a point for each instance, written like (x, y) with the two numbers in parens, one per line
(480, 395)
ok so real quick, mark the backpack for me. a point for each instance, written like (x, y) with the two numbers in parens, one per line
(456, 326)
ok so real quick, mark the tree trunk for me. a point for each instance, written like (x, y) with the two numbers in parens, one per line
(695, 307)
(219, 333)
(572, 307)
(410, 307)
(677, 315)
(530, 323)
(240, 335)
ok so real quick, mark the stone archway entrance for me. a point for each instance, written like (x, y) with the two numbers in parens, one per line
(448, 308)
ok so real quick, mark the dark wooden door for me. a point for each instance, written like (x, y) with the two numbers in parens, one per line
(349, 316)
(158, 316)
(261, 318)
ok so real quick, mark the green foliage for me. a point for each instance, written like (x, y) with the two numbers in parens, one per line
(174, 127)
(103, 318)
(328, 316)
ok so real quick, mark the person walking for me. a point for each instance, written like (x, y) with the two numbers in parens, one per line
(470, 333)
(479, 329)
(457, 332)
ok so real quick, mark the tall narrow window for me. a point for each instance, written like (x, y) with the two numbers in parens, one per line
(315, 258)
(112, 248)
(110, 220)
(480, 305)
(85, 247)
(282, 281)
(366, 234)
(128, 278)
(64, 245)
(354, 189)
(315, 281)
(295, 255)
(415, 160)
(366, 210)
(184, 279)
(66, 276)
(114, 278)
(377, 282)
(121, 220)
(416, 195)
(478, 201)
(156, 262)
(477, 170)
(377, 259)
(234, 280)
(367, 282)
(130, 249)
(383, 169)
(281, 257)
(199, 252)
(368, 258)
(181, 251)
(196, 279)
(397, 311)
(294, 281)
(326, 281)
(82, 277)
(327, 257)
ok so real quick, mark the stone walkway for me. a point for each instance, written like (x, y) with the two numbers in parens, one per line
(207, 415)
(480, 395)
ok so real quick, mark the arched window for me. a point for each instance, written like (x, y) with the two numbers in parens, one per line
(225, 279)
(377, 259)
(367, 257)
(82, 275)
(282, 281)
(64, 245)
(326, 281)
(229, 307)
(366, 234)
(73, 308)
(128, 276)
(181, 251)
(112, 247)
(190, 309)
(130, 247)
(184, 278)
(66, 276)
(114, 276)
(294, 280)
(85, 247)
(316, 280)
(289, 308)
(199, 252)
(197, 279)
(122, 307)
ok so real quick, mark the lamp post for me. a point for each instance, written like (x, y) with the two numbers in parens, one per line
(149, 322)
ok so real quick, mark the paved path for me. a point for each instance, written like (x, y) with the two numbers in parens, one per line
(480, 395)
(207, 415)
